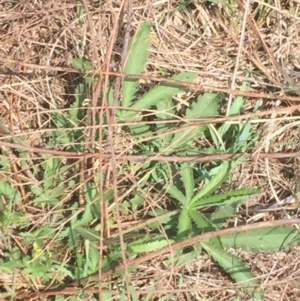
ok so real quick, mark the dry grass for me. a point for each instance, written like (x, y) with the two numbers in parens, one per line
(202, 37)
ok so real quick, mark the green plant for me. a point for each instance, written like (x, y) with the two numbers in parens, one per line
(63, 243)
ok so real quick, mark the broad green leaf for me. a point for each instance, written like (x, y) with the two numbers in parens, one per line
(136, 60)
(184, 223)
(214, 183)
(235, 267)
(266, 239)
(207, 105)
(177, 194)
(188, 180)
(162, 91)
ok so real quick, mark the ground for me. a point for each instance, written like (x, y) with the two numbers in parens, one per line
(245, 49)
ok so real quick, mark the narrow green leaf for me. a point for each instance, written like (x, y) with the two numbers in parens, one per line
(184, 224)
(88, 234)
(235, 109)
(188, 180)
(214, 182)
(225, 198)
(150, 246)
(265, 239)
(162, 91)
(177, 194)
(203, 224)
(235, 267)
(136, 60)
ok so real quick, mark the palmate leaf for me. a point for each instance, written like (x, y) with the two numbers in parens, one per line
(136, 60)
(214, 182)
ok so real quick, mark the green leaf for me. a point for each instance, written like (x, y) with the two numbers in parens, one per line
(236, 268)
(136, 60)
(214, 183)
(188, 180)
(235, 109)
(184, 223)
(177, 194)
(89, 234)
(225, 198)
(150, 246)
(207, 105)
(51, 166)
(265, 239)
(160, 92)
(203, 224)
(8, 191)
(82, 64)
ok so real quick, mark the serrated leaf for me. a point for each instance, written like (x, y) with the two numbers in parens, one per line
(265, 239)
(150, 246)
(184, 223)
(203, 224)
(88, 234)
(235, 267)
(188, 180)
(177, 194)
(136, 60)
(182, 139)
(8, 191)
(206, 105)
(214, 182)
(225, 197)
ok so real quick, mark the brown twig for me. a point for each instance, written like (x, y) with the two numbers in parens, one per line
(157, 157)
(193, 86)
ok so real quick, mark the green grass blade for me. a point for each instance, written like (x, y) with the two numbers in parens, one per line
(136, 60)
